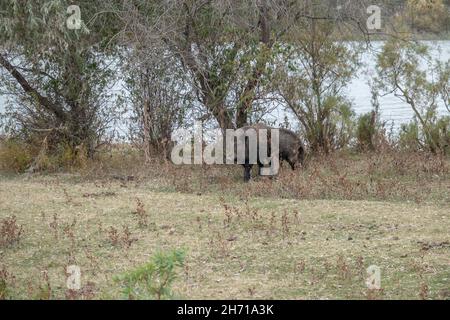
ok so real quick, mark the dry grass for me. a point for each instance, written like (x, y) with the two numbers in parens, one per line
(385, 176)
(239, 244)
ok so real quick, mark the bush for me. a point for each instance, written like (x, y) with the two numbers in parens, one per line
(427, 15)
(438, 138)
(154, 279)
(365, 131)
(15, 155)
(370, 132)
(18, 155)
(332, 129)
(339, 128)
(409, 137)
(440, 134)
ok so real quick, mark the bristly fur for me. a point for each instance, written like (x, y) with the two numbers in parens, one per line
(291, 148)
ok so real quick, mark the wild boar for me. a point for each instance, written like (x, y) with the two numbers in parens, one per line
(291, 148)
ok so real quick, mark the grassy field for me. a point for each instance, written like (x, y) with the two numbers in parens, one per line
(268, 239)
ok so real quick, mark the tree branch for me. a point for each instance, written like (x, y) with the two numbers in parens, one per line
(42, 100)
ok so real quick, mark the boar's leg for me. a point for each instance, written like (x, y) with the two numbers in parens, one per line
(260, 166)
(247, 172)
(293, 164)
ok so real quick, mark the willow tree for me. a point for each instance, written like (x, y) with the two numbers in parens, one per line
(56, 71)
(406, 70)
(313, 71)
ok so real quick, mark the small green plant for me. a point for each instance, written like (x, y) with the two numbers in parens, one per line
(154, 279)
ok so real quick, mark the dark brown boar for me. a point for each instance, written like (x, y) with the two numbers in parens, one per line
(291, 149)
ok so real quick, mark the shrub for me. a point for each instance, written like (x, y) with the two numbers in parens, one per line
(411, 137)
(365, 131)
(19, 155)
(370, 132)
(154, 279)
(340, 126)
(427, 15)
(440, 134)
(15, 156)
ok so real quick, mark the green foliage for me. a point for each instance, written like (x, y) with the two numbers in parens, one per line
(365, 131)
(154, 279)
(15, 155)
(400, 71)
(412, 138)
(340, 124)
(440, 133)
(64, 73)
(311, 75)
(427, 15)
(368, 131)
(409, 136)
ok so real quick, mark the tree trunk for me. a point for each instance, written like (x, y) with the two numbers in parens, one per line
(42, 100)
(146, 123)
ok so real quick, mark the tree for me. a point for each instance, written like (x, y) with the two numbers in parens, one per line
(427, 15)
(58, 78)
(406, 69)
(158, 97)
(311, 84)
(225, 48)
